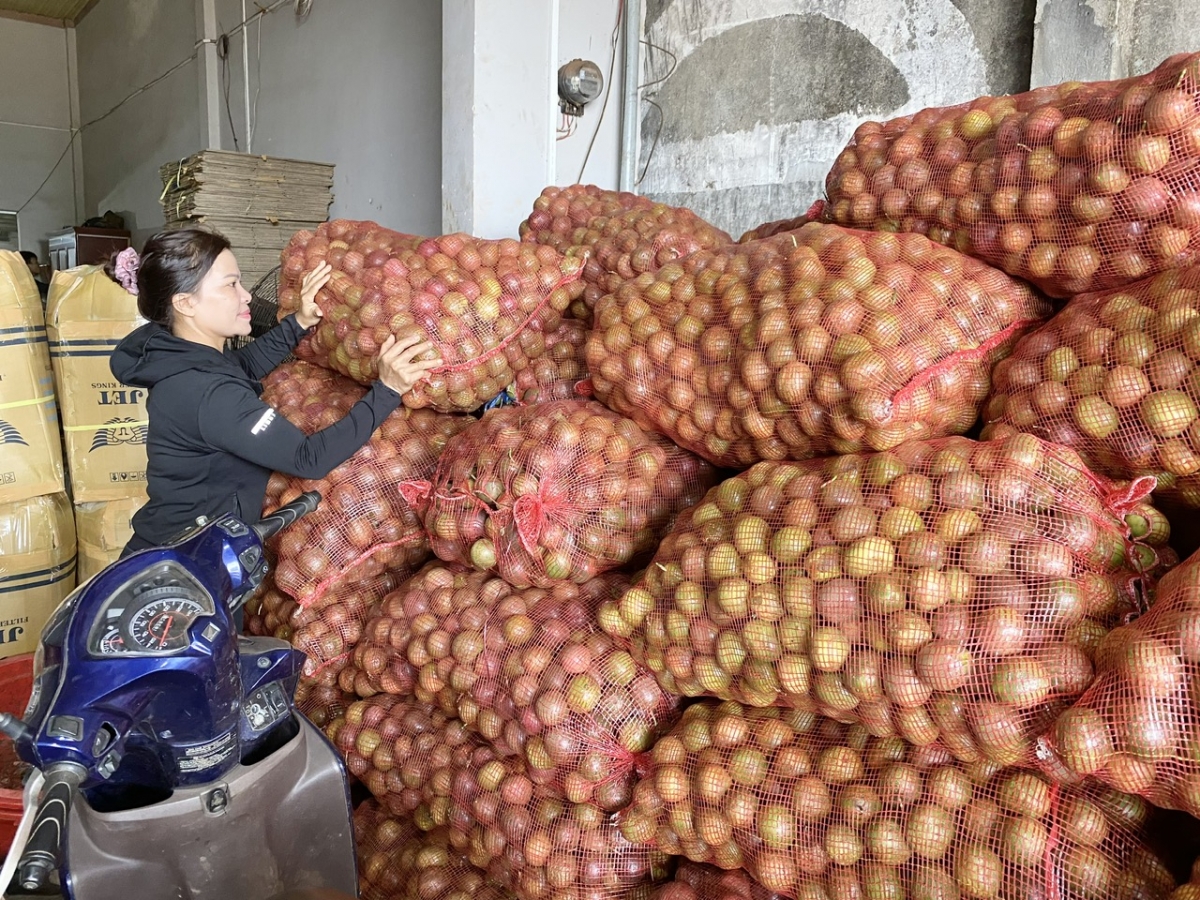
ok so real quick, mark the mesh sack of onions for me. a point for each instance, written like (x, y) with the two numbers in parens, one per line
(485, 305)
(555, 492)
(696, 881)
(1191, 890)
(321, 702)
(327, 629)
(618, 235)
(560, 212)
(363, 525)
(1076, 187)
(817, 341)
(397, 861)
(946, 591)
(770, 229)
(561, 372)
(1137, 728)
(812, 808)
(528, 669)
(1116, 376)
(425, 765)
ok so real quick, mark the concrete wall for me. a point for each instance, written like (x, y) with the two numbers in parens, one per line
(758, 96)
(1101, 39)
(35, 128)
(358, 84)
(585, 29)
(123, 45)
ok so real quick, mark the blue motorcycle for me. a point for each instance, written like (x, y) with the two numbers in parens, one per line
(172, 761)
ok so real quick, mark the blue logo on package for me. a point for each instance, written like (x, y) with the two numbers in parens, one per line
(120, 431)
(10, 435)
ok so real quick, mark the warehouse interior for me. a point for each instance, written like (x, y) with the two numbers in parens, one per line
(600, 449)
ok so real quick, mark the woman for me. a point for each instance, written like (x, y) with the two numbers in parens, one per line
(212, 443)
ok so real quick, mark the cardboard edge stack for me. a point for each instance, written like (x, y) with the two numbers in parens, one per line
(257, 202)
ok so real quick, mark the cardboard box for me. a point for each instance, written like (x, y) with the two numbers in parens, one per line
(37, 567)
(30, 449)
(103, 530)
(104, 421)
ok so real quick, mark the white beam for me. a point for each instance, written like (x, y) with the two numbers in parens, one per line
(498, 111)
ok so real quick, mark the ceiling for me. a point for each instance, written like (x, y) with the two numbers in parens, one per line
(70, 11)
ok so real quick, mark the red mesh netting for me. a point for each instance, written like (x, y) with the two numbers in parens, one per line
(770, 229)
(485, 305)
(1191, 890)
(363, 526)
(528, 669)
(561, 372)
(946, 590)
(1114, 376)
(396, 861)
(320, 701)
(1076, 187)
(556, 492)
(695, 881)
(813, 809)
(424, 765)
(1137, 727)
(818, 341)
(619, 235)
(559, 213)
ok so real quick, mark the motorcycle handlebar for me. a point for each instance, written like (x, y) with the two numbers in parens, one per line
(273, 523)
(40, 857)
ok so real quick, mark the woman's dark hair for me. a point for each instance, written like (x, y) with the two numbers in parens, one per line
(29, 256)
(172, 262)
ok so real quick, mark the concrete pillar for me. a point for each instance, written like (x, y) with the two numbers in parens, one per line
(209, 72)
(76, 121)
(1095, 40)
(499, 111)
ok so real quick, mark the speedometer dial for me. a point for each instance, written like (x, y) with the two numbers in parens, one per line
(162, 624)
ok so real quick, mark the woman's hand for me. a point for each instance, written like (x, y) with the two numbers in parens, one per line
(398, 365)
(309, 313)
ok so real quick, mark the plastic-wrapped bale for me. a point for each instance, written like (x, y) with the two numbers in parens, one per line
(1137, 727)
(1115, 375)
(528, 669)
(421, 763)
(818, 341)
(696, 881)
(561, 373)
(555, 492)
(946, 591)
(363, 526)
(1076, 187)
(811, 808)
(618, 235)
(485, 305)
(396, 861)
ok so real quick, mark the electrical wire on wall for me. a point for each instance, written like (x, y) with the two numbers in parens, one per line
(301, 8)
(223, 55)
(612, 61)
(649, 84)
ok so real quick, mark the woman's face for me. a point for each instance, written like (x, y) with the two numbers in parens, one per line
(220, 306)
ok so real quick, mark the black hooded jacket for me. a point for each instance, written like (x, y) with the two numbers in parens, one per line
(212, 443)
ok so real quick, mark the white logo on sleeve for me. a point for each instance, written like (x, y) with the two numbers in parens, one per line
(263, 422)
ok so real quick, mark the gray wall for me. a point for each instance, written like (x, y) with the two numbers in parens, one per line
(123, 45)
(357, 84)
(756, 97)
(1086, 40)
(35, 123)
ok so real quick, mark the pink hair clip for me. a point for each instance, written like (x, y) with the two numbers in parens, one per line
(126, 269)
